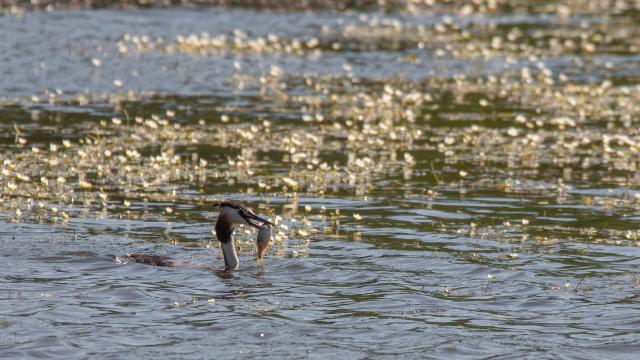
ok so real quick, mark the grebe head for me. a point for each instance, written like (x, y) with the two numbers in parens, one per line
(231, 215)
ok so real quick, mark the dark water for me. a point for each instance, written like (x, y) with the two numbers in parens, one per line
(448, 181)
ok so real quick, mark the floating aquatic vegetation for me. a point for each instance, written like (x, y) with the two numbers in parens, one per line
(206, 44)
(535, 126)
(379, 126)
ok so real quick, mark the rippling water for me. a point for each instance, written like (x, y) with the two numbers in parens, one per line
(446, 183)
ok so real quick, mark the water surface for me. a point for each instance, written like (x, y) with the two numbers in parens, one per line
(447, 182)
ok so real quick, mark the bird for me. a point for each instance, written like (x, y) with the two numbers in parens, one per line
(232, 214)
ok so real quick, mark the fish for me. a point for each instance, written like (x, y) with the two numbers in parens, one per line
(263, 239)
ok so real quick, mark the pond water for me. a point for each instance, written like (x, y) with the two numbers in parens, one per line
(447, 180)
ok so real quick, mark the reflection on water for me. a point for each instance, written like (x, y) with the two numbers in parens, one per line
(447, 181)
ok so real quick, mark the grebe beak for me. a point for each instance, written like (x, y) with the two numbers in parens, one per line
(255, 220)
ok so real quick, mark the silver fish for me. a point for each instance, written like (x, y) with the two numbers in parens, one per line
(264, 236)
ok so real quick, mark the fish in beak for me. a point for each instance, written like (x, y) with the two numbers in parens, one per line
(264, 236)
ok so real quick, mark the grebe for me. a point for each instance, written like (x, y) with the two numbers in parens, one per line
(232, 214)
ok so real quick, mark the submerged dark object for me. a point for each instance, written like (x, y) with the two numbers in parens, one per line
(154, 260)
(231, 215)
